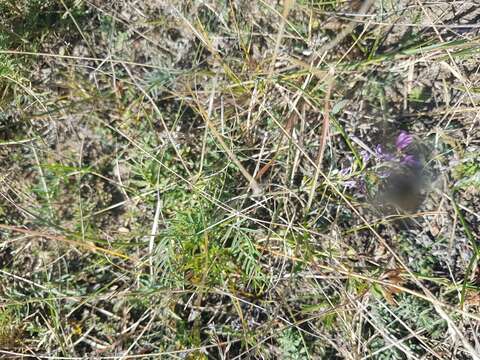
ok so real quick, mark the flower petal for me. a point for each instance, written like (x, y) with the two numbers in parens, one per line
(410, 160)
(403, 140)
(365, 156)
(350, 184)
(383, 155)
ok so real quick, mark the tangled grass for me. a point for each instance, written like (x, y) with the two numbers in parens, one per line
(236, 179)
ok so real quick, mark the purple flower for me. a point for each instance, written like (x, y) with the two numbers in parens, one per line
(410, 160)
(350, 184)
(365, 156)
(403, 140)
(382, 155)
(362, 186)
(345, 171)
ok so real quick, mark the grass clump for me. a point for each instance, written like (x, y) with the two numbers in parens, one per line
(238, 179)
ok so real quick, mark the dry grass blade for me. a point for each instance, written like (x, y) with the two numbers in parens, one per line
(323, 139)
(287, 6)
(87, 245)
(253, 184)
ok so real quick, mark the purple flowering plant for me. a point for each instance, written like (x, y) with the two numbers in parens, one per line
(380, 163)
(400, 155)
(403, 140)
